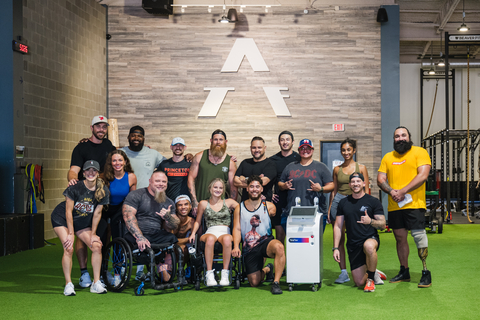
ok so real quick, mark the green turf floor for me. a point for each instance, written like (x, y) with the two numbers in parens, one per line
(31, 287)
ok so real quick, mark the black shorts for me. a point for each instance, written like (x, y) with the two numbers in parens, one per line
(278, 216)
(161, 236)
(59, 220)
(357, 256)
(410, 219)
(254, 259)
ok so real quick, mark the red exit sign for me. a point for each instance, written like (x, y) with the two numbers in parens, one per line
(20, 47)
(339, 127)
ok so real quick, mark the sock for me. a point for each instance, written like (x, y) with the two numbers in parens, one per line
(370, 274)
(83, 271)
(344, 271)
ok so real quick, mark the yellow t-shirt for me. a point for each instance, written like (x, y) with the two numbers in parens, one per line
(400, 170)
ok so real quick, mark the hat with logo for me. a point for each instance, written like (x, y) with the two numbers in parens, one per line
(91, 164)
(182, 197)
(99, 119)
(357, 175)
(306, 142)
(178, 140)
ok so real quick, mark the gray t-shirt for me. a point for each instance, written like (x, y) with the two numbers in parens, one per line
(143, 163)
(317, 172)
(148, 221)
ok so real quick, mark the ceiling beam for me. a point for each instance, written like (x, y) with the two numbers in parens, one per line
(447, 10)
(425, 49)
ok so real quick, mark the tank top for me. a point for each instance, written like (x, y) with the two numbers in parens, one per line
(253, 235)
(217, 218)
(119, 189)
(343, 181)
(207, 171)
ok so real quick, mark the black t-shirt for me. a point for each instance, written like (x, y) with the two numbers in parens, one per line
(84, 204)
(353, 210)
(177, 173)
(248, 167)
(91, 151)
(281, 162)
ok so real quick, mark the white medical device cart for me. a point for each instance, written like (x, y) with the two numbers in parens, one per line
(304, 246)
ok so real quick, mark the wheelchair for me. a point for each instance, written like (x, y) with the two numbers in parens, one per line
(120, 256)
(199, 265)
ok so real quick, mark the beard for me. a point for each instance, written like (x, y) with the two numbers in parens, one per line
(95, 134)
(402, 146)
(160, 196)
(255, 198)
(259, 157)
(136, 148)
(218, 151)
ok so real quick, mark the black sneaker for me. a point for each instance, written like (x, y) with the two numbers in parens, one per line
(426, 280)
(401, 276)
(276, 288)
(269, 277)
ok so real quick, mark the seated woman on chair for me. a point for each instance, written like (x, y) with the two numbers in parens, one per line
(217, 219)
(79, 216)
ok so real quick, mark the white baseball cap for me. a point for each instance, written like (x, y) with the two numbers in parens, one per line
(178, 140)
(99, 119)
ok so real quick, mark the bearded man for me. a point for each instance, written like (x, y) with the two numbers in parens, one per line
(143, 159)
(208, 165)
(402, 174)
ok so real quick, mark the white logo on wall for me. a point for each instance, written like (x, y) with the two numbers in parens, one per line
(244, 48)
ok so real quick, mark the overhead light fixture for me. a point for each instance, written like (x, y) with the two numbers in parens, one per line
(463, 26)
(432, 68)
(441, 63)
(232, 15)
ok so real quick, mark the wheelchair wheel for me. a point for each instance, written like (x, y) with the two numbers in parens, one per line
(139, 291)
(237, 284)
(197, 285)
(117, 265)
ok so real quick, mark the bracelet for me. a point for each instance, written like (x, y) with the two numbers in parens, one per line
(321, 190)
(335, 248)
(371, 220)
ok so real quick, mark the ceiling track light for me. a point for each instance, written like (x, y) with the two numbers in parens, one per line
(463, 27)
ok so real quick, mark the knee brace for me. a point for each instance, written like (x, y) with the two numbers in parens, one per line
(420, 237)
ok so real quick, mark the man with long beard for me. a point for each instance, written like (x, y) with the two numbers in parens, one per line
(143, 159)
(97, 148)
(208, 165)
(145, 211)
(259, 165)
(402, 174)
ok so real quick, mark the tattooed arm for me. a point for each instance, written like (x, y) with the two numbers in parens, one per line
(382, 182)
(129, 216)
(171, 220)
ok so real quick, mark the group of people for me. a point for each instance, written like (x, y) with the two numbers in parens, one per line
(169, 200)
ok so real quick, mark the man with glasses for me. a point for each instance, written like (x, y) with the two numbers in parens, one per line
(306, 179)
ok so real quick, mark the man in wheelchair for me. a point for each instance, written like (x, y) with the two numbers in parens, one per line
(252, 225)
(145, 211)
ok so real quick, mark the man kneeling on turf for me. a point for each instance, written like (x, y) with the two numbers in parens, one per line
(252, 224)
(363, 216)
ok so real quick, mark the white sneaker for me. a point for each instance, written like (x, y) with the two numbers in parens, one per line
(377, 278)
(342, 278)
(69, 290)
(85, 280)
(98, 287)
(210, 277)
(225, 280)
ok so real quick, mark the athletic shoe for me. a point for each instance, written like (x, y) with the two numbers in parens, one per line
(378, 278)
(85, 280)
(276, 288)
(342, 278)
(225, 280)
(269, 276)
(426, 280)
(139, 275)
(401, 276)
(382, 275)
(98, 287)
(210, 277)
(69, 289)
(369, 286)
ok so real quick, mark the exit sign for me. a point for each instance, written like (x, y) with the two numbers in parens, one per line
(339, 127)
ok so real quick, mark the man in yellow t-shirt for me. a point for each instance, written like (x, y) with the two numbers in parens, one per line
(402, 174)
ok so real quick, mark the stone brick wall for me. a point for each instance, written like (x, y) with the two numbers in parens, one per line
(64, 86)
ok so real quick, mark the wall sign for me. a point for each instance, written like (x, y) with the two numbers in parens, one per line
(244, 48)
